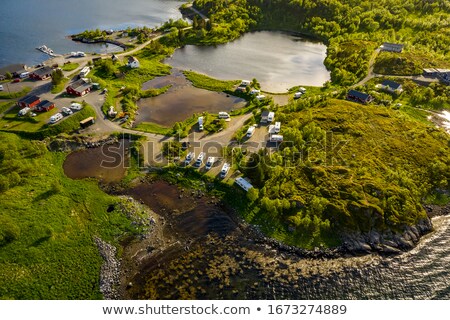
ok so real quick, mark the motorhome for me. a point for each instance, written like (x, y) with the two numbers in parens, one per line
(255, 91)
(210, 162)
(277, 127)
(200, 123)
(244, 184)
(84, 72)
(56, 117)
(189, 158)
(23, 111)
(199, 160)
(224, 170)
(276, 138)
(260, 97)
(245, 83)
(24, 75)
(270, 116)
(250, 131)
(298, 95)
(76, 106)
(223, 115)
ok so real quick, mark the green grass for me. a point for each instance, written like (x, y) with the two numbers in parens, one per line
(38, 127)
(60, 87)
(407, 63)
(14, 95)
(389, 162)
(6, 105)
(53, 220)
(70, 66)
(204, 82)
(153, 128)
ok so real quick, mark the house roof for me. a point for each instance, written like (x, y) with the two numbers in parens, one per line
(12, 68)
(45, 104)
(132, 59)
(80, 85)
(29, 99)
(359, 95)
(391, 84)
(265, 114)
(43, 71)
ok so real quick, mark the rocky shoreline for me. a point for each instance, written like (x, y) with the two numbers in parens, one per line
(79, 143)
(110, 270)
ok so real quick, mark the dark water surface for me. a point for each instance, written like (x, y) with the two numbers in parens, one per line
(27, 24)
(278, 60)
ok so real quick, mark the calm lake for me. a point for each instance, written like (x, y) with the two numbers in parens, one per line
(278, 60)
(27, 24)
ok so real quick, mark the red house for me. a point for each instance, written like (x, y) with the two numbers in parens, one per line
(79, 88)
(29, 102)
(45, 106)
(42, 73)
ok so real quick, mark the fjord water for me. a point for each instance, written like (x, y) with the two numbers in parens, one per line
(27, 24)
(278, 60)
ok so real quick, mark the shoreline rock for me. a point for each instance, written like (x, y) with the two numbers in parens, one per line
(110, 270)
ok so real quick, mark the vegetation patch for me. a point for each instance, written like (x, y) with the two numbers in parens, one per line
(14, 95)
(48, 223)
(70, 66)
(204, 82)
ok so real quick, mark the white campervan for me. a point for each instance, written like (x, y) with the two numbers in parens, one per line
(250, 131)
(56, 117)
(277, 127)
(223, 115)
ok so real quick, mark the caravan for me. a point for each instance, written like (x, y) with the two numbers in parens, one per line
(224, 115)
(250, 132)
(200, 123)
(225, 169)
(277, 127)
(276, 138)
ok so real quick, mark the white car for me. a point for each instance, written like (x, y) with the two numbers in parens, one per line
(66, 111)
(76, 106)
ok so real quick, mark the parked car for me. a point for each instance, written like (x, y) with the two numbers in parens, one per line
(1, 88)
(66, 111)
(15, 80)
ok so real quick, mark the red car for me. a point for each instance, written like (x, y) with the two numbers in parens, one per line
(16, 80)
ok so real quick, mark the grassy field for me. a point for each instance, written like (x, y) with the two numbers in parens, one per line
(48, 222)
(153, 128)
(60, 87)
(204, 82)
(70, 66)
(310, 192)
(38, 127)
(407, 63)
(6, 105)
(14, 95)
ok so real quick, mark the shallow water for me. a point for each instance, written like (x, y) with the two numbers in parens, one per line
(107, 163)
(277, 60)
(181, 101)
(213, 257)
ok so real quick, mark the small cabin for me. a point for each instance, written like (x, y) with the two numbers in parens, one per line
(133, 63)
(45, 105)
(79, 88)
(391, 86)
(42, 73)
(359, 97)
(29, 102)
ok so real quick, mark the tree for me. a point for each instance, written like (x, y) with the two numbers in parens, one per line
(57, 77)
(253, 195)
(8, 75)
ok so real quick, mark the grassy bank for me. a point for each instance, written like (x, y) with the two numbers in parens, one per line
(204, 82)
(48, 222)
(14, 95)
(70, 66)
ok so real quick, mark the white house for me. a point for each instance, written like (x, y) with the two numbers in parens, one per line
(133, 62)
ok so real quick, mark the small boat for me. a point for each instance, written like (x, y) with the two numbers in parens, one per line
(47, 50)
